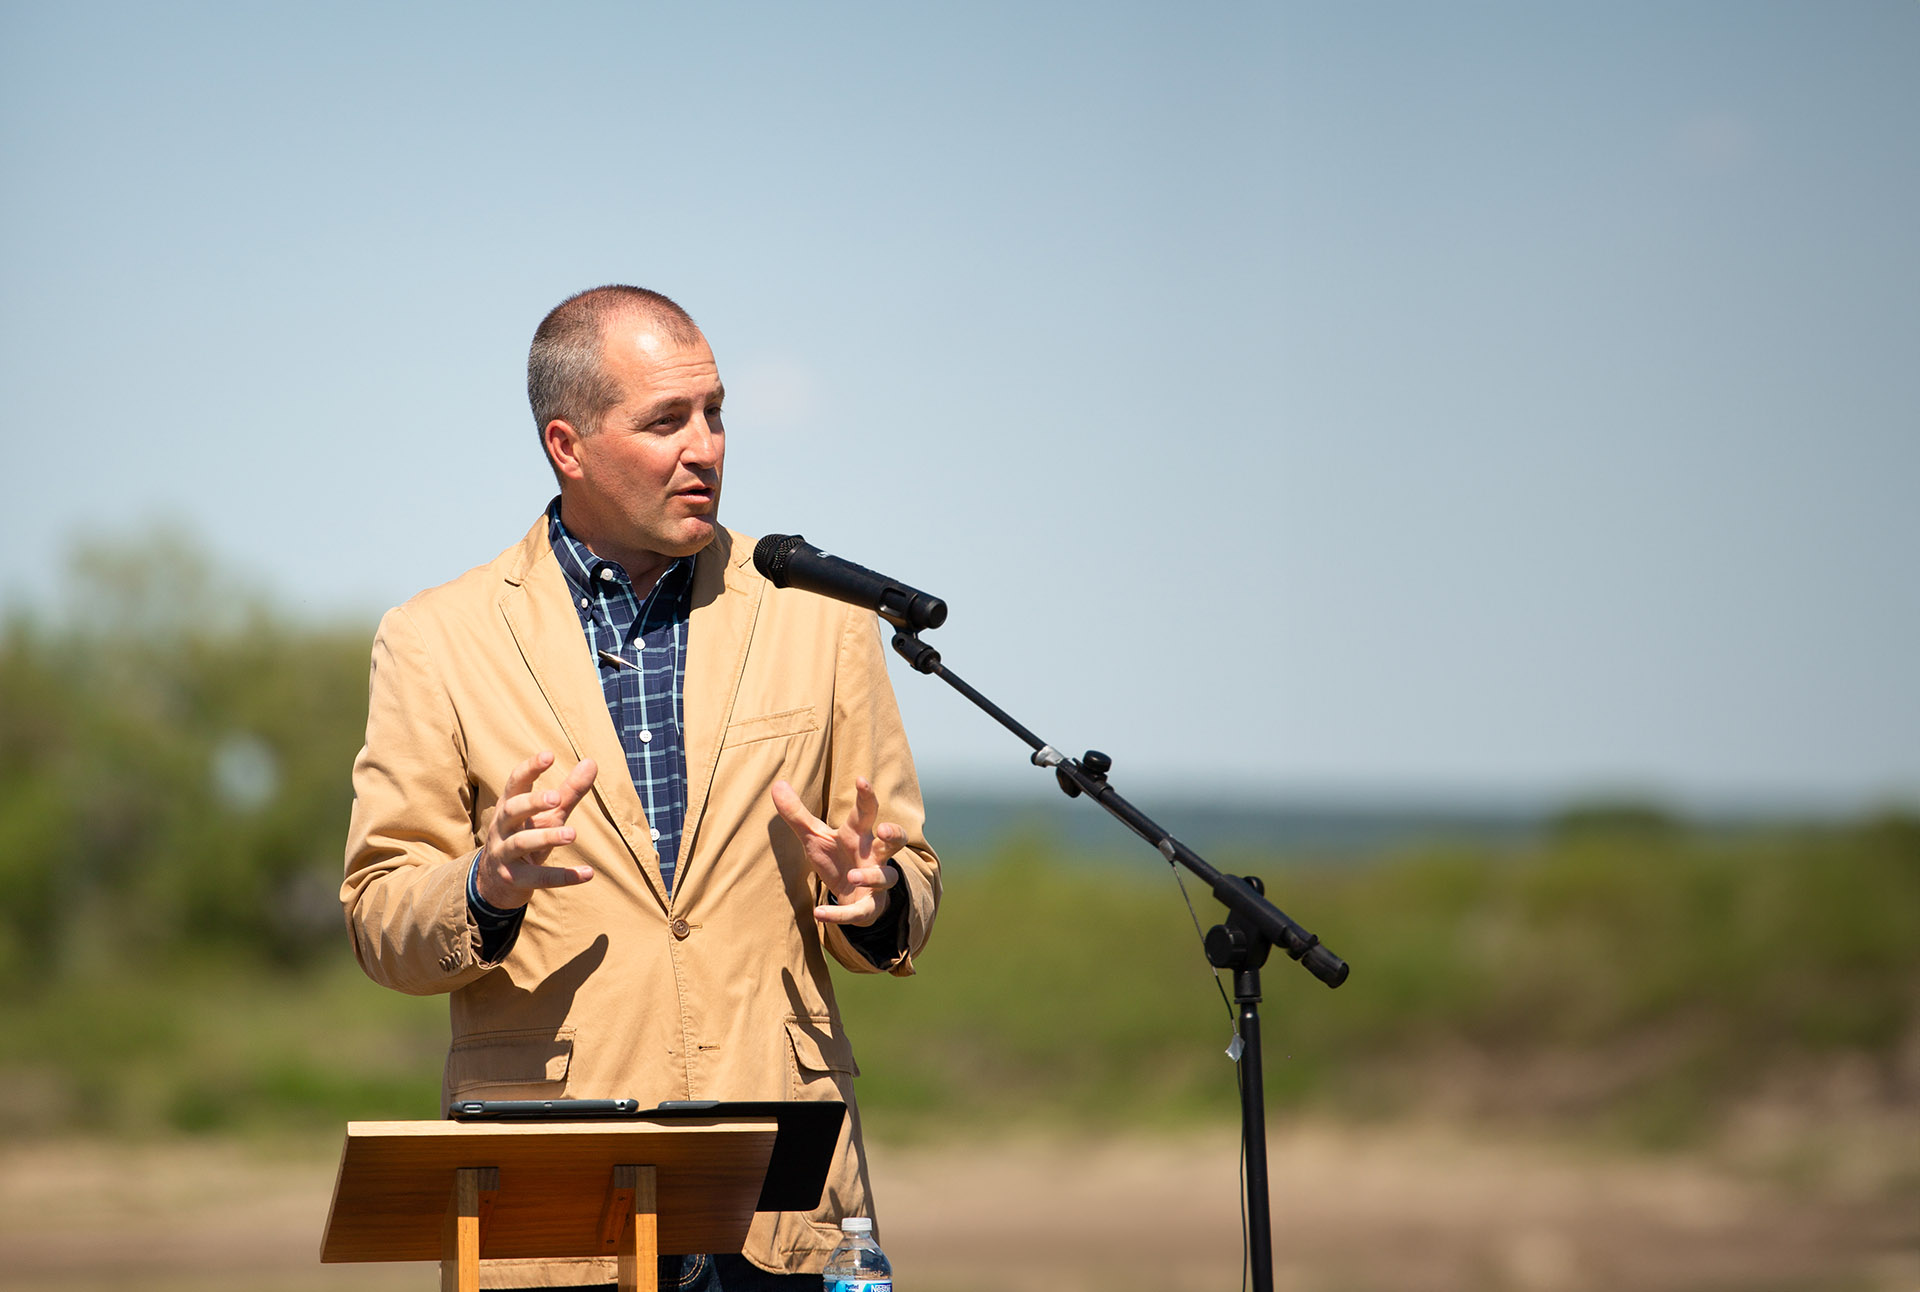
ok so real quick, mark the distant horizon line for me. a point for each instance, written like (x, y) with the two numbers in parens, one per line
(1408, 797)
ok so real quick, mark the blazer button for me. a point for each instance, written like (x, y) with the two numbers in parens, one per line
(680, 928)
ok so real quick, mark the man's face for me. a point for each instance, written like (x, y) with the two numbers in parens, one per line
(648, 479)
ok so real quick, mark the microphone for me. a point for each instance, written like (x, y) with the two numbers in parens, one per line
(789, 561)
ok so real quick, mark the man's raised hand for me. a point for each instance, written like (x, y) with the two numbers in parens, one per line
(851, 861)
(527, 825)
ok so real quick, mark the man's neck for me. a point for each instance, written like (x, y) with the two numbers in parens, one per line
(643, 568)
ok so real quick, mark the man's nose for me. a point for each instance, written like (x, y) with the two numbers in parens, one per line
(703, 443)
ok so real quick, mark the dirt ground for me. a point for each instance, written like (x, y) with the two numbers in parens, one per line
(1412, 1210)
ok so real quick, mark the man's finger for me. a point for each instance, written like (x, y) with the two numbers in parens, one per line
(522, 777)
(542, 809)
(575, 787)
(520, 782)
(526, 843)
(874, 877)
(516, 811)
(551, 876)
(866, 806)
(858, 912)
(787, 803)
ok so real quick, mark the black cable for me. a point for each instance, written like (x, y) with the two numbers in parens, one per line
(1233, 1020)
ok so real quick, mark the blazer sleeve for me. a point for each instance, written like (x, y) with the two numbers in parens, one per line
(411, 839)
(868, 740)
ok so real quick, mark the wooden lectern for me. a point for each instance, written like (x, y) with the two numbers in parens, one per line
(457, 1191)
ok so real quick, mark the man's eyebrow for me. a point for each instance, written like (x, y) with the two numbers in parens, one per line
(658, 409)
(665, 407)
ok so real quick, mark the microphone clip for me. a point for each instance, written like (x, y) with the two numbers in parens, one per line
(922, 657)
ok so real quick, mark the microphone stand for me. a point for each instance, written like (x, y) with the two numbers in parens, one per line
(1254, 926)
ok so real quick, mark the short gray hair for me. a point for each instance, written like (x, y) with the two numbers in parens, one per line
(565, 377)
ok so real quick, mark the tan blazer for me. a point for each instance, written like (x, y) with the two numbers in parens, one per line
(614, 989)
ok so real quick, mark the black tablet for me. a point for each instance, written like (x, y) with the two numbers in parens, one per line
(803, 1144)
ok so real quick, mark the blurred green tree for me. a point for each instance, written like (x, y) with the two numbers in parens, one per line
(174, 754)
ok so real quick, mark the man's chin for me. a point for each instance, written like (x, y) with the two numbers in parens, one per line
(693, 534)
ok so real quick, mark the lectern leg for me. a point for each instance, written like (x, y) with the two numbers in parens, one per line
(631, 1226)
(474, 1189)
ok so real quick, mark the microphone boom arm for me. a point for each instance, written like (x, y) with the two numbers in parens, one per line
(1088, 775)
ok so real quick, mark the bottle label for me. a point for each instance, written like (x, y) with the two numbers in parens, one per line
(860, 1285)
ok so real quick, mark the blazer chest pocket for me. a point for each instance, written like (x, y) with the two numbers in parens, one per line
(499, 1063)
(771, 726)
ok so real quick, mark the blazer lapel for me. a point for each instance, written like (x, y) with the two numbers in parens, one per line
(541, 617)
(726, 602)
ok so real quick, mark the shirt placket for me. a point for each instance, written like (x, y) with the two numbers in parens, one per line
(642, 693)
(656, 701)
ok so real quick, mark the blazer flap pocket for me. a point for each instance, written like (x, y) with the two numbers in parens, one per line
(788, 722)
(820, 1046)
(510, 1058)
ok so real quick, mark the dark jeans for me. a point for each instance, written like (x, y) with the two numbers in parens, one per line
(715, 1274)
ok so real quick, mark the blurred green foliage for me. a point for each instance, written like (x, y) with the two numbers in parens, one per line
(1642, 981)
(174, 791)
(173, 772)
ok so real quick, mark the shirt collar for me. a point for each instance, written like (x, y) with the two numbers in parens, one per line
(589, 575)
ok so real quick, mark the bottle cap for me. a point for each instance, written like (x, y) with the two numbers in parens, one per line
(856, 1225)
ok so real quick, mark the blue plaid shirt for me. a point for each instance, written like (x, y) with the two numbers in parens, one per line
(640, 648)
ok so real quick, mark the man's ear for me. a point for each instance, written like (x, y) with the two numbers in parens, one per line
(563, 448)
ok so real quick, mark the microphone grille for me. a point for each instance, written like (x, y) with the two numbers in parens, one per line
(771, 554)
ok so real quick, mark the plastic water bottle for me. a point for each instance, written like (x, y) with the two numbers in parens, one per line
(858, 1264)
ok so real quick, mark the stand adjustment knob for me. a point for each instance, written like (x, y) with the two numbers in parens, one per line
(1093, 764)
(1224, 946)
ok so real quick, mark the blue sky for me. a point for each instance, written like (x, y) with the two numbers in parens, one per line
(1356, 399)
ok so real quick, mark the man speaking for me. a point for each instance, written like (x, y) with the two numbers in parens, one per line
(621, 796)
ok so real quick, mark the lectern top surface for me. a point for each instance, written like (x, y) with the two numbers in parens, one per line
(395, 1179)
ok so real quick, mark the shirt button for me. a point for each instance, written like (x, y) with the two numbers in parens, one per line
(654, 834)
(606, 574)
(584, 603)
(645, 736)
(680, 928)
